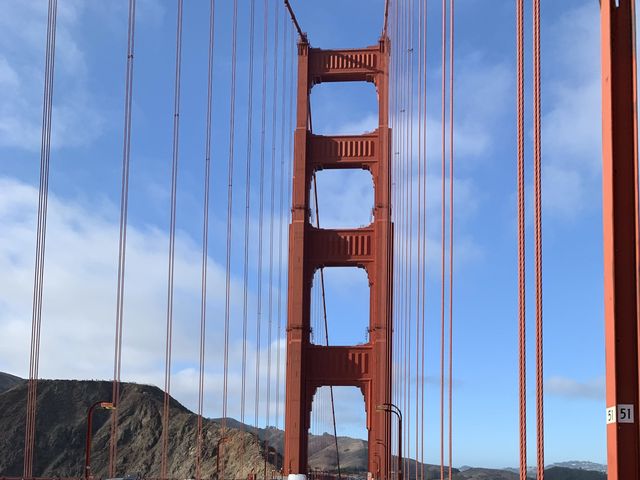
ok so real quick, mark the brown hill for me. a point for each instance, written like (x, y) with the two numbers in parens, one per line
(61, 427)
(8, 381)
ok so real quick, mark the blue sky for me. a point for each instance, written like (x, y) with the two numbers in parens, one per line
(79, 296)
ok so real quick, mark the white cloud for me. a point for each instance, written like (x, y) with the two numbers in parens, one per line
(79, 303)
(481, 101)
(569, 387)
(571, 136)
(368, 124)
(22, 47)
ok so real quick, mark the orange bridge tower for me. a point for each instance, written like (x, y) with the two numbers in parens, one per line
(366, 366)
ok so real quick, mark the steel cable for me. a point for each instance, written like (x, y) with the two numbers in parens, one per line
(326, 330)
(280, 219)
(521, 236)
(424, 231)
(230, 166)
(274, 112)
(537, 180)
(41, 232)
(451, 222)
(443, 231)
(205, 240)
(247, 222)
(122, 241)
(265, 44)
(172, 246)
(419, 235)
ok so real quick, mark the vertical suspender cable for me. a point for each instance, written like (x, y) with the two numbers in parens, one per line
(419, 290)
(36, 318)
(394, 214)
(227, 305)
(424, 231)
(122, 242)
(387, 35)
(443, 230)
(247, 220)
(285, 52)
(172, 247)
(265, 45)
(410, 293)
(326, 331)
(537, 180)
(395, 127)
(451, 217)
(290, 159)
(274, 117)
(401, 208)
(407, 220)
(521, 238)
(205, 239)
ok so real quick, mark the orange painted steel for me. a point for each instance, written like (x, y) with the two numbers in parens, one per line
(365, 366)
(620, 219)
(522, 325)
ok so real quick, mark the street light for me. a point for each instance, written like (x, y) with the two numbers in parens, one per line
(391, 408)
(87, 448)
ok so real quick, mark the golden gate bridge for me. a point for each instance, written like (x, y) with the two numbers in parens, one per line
(392, 249)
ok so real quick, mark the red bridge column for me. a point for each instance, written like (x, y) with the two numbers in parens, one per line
(621, 236)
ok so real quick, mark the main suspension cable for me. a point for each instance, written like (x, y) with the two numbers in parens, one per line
(301, 34)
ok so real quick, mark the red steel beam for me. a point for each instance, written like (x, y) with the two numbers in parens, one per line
(620, 223)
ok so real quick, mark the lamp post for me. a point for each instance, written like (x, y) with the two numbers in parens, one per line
(87, 448)
(391, 408)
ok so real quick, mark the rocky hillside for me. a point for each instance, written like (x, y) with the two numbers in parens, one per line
(61, 427)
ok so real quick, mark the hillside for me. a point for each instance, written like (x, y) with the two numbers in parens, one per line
(8, 381)
(322, 451)
(61, 424)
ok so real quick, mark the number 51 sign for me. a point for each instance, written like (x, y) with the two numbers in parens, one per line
(625, 414)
